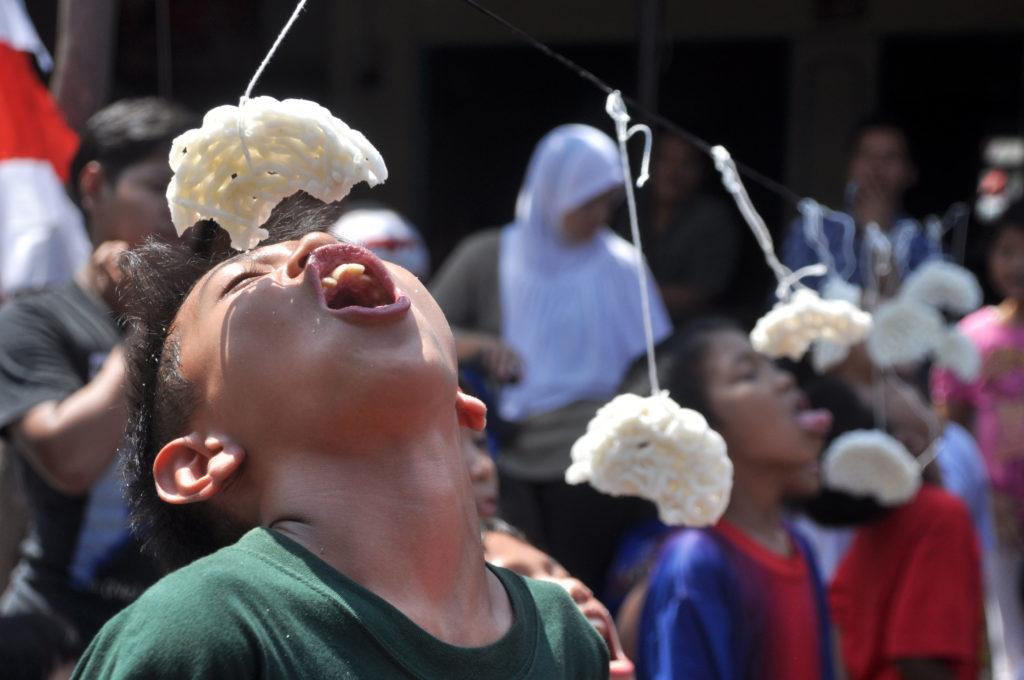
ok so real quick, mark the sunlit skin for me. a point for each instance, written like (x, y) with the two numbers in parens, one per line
(754, 403)
(582, 223)
(503, 550)
(122, 213)
(755, 407)
(132, 206)
(507, 551)
(331, 431)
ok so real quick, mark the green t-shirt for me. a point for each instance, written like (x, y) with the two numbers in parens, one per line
(268, 608)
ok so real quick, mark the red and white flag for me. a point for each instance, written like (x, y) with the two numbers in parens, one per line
(42, 237)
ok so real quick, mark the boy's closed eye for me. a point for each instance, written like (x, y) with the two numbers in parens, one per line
(251, 271)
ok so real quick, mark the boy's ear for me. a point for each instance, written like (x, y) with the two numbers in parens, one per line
(191, 469)
(92, 181)
(472, 412)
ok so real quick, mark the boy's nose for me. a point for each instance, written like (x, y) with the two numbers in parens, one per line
(310, 242)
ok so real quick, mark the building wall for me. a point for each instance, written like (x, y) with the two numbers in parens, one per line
(833, 67)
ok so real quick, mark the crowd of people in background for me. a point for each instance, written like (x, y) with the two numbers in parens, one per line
(795, 581)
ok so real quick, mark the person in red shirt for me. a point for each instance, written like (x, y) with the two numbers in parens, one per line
(906, 598)
(741, 599)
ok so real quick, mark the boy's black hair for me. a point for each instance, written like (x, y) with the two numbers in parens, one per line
(161, 402)
(127, 132)
(831, 507)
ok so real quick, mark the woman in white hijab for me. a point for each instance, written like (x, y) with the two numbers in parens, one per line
(550, 305)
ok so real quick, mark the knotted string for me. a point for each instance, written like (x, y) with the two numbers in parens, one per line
(788, 279)
(256, 76)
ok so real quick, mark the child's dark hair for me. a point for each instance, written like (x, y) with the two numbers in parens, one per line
(881, 120)
(681, 367)
(158, 278)
(831, 507)
(127, 132)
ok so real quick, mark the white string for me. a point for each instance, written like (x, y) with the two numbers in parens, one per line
(814, 232)
(273, 48)
(256, 76)
(616, 108)
(849, 235)
(787, 278)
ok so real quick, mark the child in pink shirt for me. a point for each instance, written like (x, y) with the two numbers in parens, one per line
(992, 406)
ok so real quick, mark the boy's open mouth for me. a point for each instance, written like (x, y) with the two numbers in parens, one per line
(353, 283)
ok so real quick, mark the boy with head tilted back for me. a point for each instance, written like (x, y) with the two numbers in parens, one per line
(295, 425)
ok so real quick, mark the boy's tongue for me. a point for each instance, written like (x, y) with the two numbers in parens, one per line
(814, 421)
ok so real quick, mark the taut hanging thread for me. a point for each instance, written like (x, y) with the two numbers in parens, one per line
(787, 278)
(616, 108)
(273, 48)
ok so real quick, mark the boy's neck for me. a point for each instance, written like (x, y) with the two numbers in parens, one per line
(755, 507)
(402, 524)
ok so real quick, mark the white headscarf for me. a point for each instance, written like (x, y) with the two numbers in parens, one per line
(571, 311)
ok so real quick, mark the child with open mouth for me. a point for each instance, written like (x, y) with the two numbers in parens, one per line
(294, 439)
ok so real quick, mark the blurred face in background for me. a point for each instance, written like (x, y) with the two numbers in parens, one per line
(881, 163)
(582, 223)
(678, 169)
(765, 419)
(133, 206)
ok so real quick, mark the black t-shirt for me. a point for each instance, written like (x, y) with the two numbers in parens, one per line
(79, 560)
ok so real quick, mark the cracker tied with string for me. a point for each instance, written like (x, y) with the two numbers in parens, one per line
(911, 327)
(790, 327)
(653, 448)
(801, 316)
(245, 159)
(874, 464)
(944, 285)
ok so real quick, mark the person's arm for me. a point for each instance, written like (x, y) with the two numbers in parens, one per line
(497, 358)
(456, 288)
(72, 442)
(84, 58)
